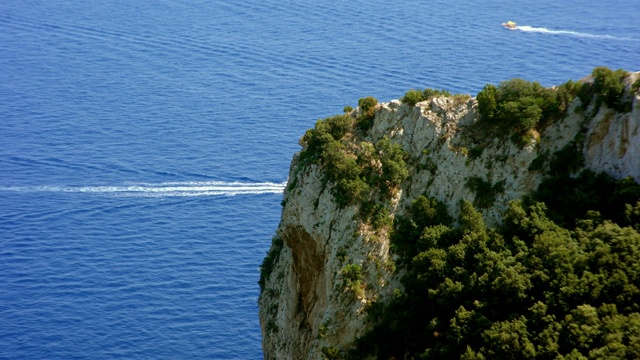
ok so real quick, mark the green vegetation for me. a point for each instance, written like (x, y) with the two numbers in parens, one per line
(394, 169)
(354, 171)
(376, 215)
(352, 280)
(485, 191)
(519, 108)
(569, 198)
(476, 152)
(635, 86)
(560, 279)
(368, 107)
(413, 97)
(555, 281)
(269, 261)
(608, 85)
(331, 353)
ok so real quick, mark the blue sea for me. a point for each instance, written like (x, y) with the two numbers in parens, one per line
(144, 145)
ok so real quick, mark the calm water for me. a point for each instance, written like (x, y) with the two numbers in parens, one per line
(144, 145)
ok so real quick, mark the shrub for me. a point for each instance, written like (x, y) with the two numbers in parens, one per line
(352, 279)
(269, 261)
(407, 231)
(349, 192)
(367, 103)
(325, 131)
(337, 163)
(539, 162)
(376, 215)
(431, 93)
(413, 97)
(485, 192)
(609, 86)
(427, 212)
(635, 86)
(352, 273)
(476, 152)
(331, 353)
(529, 289)
(459, 99)
(517, 106)
(488, 102)
(394, 169)
(368, 107)
(567, 160)
(338, 125)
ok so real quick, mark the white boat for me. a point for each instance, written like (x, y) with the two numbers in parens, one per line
(509, 25)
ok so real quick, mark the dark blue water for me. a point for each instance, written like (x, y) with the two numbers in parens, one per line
(143, 145)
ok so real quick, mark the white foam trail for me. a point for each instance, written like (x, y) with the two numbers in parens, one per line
(194, 188)
(565, 32)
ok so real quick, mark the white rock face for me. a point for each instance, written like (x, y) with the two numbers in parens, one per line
(306, 307)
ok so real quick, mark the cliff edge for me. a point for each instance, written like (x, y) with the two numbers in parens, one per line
(332, 256)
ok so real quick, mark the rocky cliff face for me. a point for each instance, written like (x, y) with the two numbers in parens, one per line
(311, 305)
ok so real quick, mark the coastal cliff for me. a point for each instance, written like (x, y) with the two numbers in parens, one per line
(332, 256)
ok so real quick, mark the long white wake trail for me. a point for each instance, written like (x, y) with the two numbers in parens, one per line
(167, 189)
(533, 29)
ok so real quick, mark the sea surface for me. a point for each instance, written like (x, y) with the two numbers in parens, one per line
(144, 145)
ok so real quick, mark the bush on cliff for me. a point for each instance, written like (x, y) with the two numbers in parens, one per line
(353, 170)
(609, 87)
(532, 288)
(413, 96)
(517, 106)
(393, 167)
(269, 261)
(368, 111)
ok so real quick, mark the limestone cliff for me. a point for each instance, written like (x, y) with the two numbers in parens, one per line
(309, 303)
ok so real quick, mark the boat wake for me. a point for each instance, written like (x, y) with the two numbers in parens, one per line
(167, 189)
(566, 32)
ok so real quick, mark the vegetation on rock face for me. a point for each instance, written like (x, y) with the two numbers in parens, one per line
(413, 97)
(368, 107)
(269, 261)
(518, 107)
(533, 288)
(485, 191)
(609, 86)
(354, 171)
(559, 279)
(352, 280)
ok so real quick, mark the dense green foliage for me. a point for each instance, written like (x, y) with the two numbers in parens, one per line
(570, 198)
(354, 170)
(485, 191)
(269, 261)
(535, 288)
(413, 97)
(368, 111)
(352, 280)
(608, 85)
(517, 106)
(375, 214)
(635, 87)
